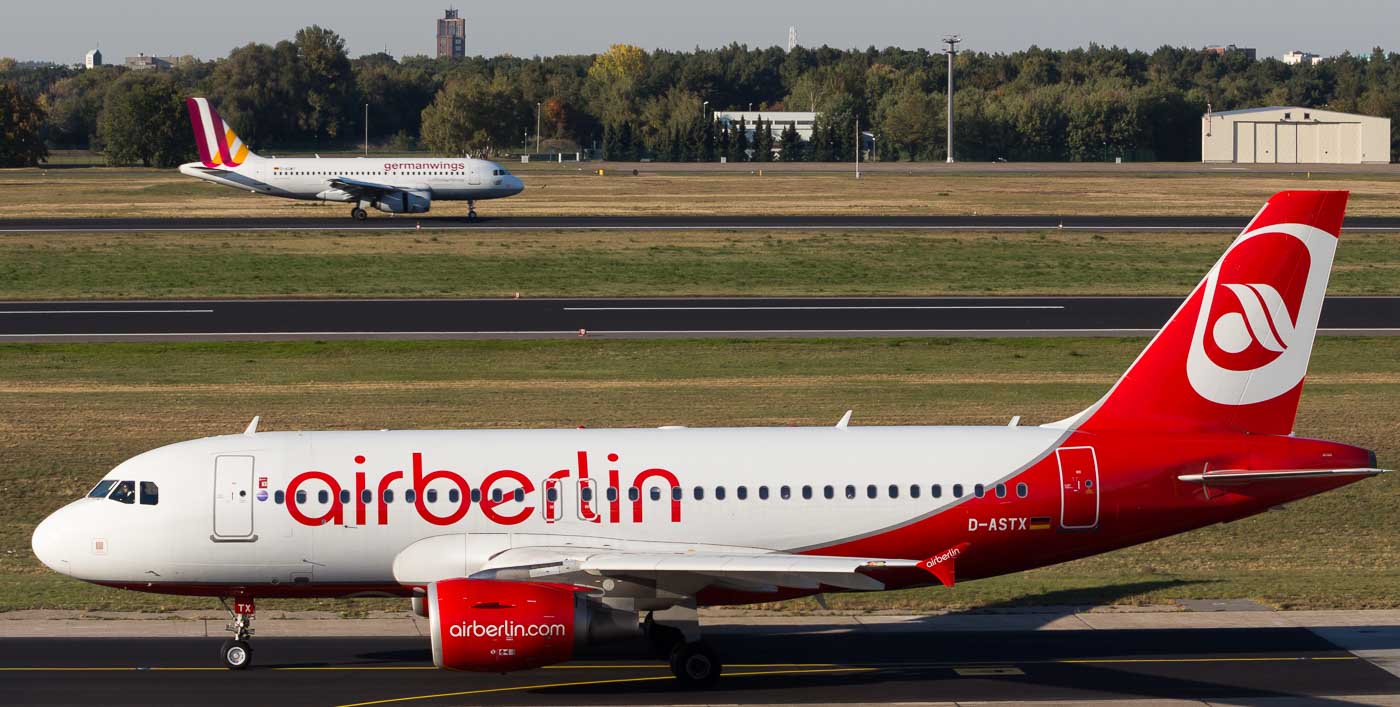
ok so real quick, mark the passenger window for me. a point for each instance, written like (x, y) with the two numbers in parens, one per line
(633, 493)
(829, 492)
(366, 497)
(453, 495)
(278, 497)
(345, 496)
(807, 492)
(496, 495)
(125, 492)
(957, 490)
(742, 492)
(410, 496)
(301, 497)
(979, 490)
(655, 494)
(519, 495)
(150, 493)
(699, 493)
(850, 491)
(475, 495)
(1001, 490)
(1022, 490)
(894, 491)
(323, 496)
(937, 491)
(102, 488)
(913, 490)
(676, 493)
(719, 493)
(611, 494)
(388, 495)
(763, 493)
(552, 494)
(586, 493)
(871, 491)
(785, 492)
(431, 496)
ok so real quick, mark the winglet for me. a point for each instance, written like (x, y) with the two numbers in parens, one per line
(252, 427)
(845, 421)
(941, 564)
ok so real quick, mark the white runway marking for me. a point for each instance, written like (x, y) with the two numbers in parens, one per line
(833, 307)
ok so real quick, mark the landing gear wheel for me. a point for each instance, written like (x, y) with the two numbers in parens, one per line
(471, 215)
(358, 214)
(695, 665)
(237, 655)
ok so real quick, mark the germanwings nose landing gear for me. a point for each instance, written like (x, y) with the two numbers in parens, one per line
(236, 652)
(471, 210)
(675, 634)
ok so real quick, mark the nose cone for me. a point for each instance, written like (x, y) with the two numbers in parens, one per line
(516, 186)
(50, 543)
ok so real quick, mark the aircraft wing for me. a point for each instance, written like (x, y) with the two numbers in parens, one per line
(359, 187)
(1241, 477)
(689, 572)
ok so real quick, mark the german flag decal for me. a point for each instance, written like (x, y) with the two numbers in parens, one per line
(1041, 523)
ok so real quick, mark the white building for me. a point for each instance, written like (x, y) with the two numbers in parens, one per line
(1295, 57)
(93, 59)
(1292, 135)
(781, 119)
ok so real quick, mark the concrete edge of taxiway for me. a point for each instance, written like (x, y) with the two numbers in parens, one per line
(72, 624)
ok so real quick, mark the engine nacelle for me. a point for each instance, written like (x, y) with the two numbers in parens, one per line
(486, 625)
(404, 202)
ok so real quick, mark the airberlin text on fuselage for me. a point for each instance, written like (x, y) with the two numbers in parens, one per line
(498, 488)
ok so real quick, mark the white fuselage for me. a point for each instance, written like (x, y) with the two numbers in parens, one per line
(461, 179)
(223, 516)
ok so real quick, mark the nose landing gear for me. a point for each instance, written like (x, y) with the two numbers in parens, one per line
(471, 210)
(236, 652)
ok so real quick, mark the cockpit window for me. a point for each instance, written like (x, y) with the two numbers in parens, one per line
(125, 492)
(102, 488)
(150, 493)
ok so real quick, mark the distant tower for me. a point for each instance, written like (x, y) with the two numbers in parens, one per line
(93, 59)
(451, 36)
(792, 38)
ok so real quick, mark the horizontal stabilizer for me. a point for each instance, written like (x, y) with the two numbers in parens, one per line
(1235, 477)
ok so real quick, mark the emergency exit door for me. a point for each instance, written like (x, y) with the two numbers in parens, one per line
(1079, 487)
(233, 497)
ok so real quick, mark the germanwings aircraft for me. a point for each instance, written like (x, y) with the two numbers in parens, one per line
(521, 547)
(396, 185)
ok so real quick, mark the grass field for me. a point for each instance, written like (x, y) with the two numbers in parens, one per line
(87, 192)
(500, 263)
(71, 412)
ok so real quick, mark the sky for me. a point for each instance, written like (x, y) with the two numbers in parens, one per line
(64, 31)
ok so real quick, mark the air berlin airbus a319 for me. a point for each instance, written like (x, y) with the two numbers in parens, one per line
(396, 185)
(520, 547)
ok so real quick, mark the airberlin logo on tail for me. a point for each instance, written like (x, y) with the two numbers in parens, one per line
(1258, 314)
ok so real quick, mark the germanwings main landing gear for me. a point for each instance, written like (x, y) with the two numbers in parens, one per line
(675, 634)
(236, 652)
(359, 214)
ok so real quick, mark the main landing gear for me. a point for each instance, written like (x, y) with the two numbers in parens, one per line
(359, 214)
(236, 652)
(675, 634)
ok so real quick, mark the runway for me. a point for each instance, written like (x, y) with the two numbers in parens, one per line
(793, 664)
(674, 223)
(275, 319)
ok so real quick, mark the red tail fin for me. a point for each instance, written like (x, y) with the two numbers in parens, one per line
(1233, 357)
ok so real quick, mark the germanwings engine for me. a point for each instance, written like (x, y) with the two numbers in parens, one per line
(485, 625)
(408, 201)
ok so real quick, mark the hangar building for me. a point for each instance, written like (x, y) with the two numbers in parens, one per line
(1292, 135)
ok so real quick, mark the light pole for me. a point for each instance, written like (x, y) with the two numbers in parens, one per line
(366, 130)
(952, 42)
(538, 107)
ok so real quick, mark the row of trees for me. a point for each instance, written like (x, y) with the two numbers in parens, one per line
(1092, 103)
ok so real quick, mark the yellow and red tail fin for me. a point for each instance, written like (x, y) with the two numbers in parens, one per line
(1233, 357)
(218, 145)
